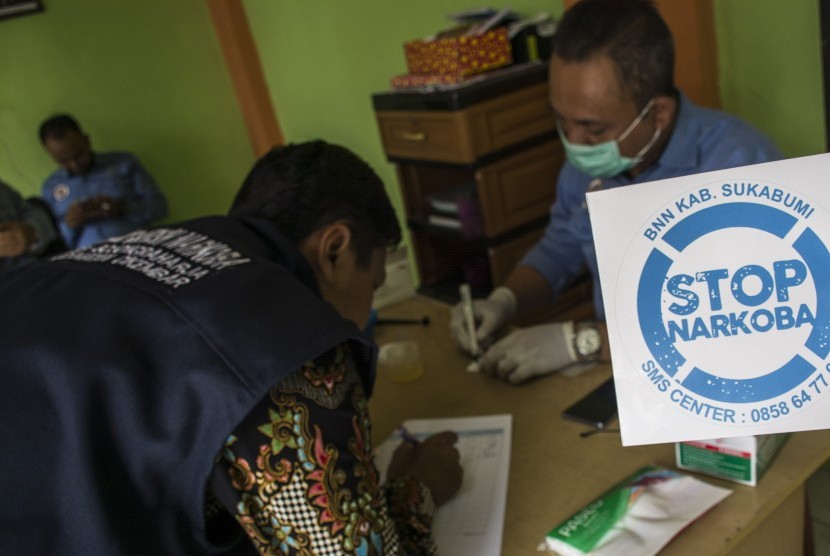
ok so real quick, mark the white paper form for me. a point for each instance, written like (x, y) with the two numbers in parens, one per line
(471, 523)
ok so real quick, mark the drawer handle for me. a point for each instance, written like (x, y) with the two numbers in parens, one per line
(413, 136)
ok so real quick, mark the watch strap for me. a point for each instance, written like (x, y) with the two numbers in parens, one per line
(570, 340)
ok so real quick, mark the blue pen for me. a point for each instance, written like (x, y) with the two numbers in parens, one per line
(408, 436)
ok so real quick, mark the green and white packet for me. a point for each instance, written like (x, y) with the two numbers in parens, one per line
(638, 516)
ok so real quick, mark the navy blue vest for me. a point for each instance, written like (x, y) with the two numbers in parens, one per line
(126, 365)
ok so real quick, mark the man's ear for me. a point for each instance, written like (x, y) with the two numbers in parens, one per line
(333, 242)
(665, 108)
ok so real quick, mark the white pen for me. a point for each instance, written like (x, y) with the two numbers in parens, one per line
(469, 315)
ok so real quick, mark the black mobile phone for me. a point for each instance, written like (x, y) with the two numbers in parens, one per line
(597, 408)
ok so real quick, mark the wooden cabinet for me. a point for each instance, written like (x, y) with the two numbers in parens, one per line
(464, 136)
(496, 136)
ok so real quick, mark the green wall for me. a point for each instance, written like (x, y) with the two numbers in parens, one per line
(146, 76)
(324, 59)
(770, 66)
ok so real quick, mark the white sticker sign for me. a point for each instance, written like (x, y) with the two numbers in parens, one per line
(717, 297)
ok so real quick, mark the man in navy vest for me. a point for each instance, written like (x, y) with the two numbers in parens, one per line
(213, 396)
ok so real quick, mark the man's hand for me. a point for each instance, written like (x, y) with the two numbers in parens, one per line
(434, 462)
(15, 238)
(93, 208)
(528, 352)
(491, 315)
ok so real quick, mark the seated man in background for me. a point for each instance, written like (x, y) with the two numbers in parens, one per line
(26, 230)
(95, 196)
(213, 397)
(621, 121)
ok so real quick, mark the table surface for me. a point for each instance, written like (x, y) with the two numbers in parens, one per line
(553, 471)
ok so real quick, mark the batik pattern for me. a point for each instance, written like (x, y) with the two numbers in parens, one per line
(298, 473)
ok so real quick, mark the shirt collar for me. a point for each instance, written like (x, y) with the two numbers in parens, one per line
(64, 174)
(681, 150)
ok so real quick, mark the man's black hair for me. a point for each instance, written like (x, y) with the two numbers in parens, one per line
(303, 187)
(631, 33)
(57, 127)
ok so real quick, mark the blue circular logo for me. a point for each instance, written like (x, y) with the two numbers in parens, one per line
(732, 302)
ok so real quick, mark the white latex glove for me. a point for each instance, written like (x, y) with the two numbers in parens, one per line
(491, 314)
(528, 352)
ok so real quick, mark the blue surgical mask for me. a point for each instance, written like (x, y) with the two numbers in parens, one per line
(604, 160)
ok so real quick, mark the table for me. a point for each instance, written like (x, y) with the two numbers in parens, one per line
(554, 472)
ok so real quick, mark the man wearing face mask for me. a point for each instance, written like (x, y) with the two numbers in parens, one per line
(621, 121)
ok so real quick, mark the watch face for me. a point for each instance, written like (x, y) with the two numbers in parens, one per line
(588, 341)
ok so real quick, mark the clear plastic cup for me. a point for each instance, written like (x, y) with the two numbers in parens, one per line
(401, 361)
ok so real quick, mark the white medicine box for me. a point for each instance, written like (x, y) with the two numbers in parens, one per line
(742, 459)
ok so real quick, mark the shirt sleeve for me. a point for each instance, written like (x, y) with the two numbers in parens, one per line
(558, 255)
(146, 203)
(38, 216)
(298, 473)
(69, 235)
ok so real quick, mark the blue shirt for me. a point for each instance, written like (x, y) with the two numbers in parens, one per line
(118, 175)
(703, 140)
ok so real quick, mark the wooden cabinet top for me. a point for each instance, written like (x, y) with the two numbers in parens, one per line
(479, 89)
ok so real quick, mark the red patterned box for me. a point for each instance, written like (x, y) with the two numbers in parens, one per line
(459, 55)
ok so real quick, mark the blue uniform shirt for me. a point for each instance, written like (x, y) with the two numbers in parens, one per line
(118, 175)
(703, 140)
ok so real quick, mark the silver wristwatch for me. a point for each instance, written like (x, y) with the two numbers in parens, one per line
(587, 341)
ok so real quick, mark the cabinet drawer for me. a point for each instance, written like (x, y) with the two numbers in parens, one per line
(520, 188)
(462, 136)
(425, 135)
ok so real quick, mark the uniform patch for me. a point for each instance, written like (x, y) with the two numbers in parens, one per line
(60, 192)
(174, 257)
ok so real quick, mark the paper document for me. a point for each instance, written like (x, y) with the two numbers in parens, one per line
(471, 523)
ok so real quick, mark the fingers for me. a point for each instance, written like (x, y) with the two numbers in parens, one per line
(496, 357)
(401, 461)
(75, 215)
(486, 322)
(458, 331)
(406, 449)
(521, 374)
(442, 439)
(436, 462)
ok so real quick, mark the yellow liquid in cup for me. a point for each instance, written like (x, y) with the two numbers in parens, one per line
(401, 361)
(406, 371)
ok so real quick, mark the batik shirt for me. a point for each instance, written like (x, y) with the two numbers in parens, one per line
(298, 476)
